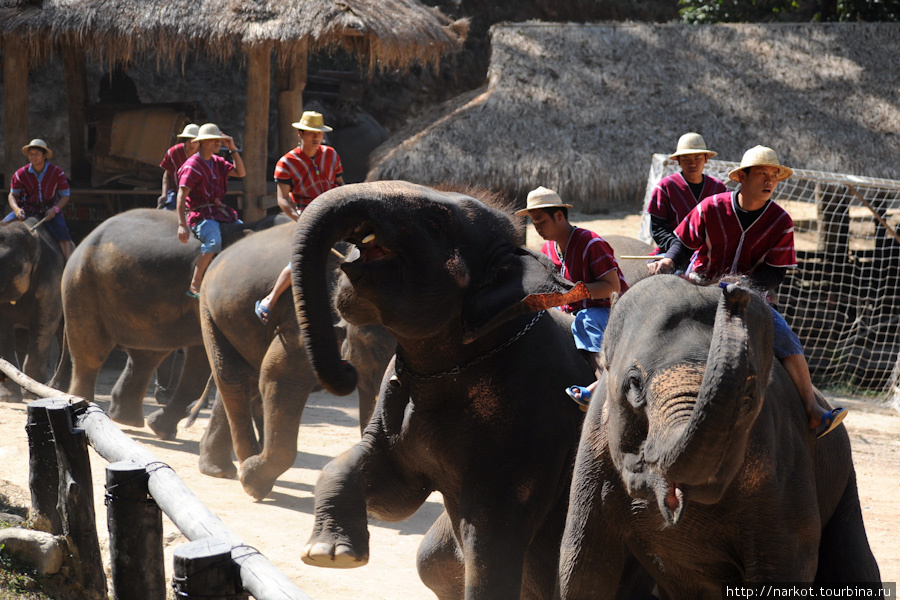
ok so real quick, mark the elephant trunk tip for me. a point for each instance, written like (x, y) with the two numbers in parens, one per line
(342, 380)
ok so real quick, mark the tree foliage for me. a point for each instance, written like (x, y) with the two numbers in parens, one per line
(755, 11)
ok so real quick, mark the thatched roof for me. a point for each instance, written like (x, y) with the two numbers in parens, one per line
(583, 108)
(391, 33)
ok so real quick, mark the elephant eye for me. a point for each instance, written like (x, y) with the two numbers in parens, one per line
(634, 390)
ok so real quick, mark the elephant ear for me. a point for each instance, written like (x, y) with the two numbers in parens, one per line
(516, 281)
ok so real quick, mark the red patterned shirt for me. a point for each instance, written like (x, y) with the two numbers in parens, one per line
(672, 198)
(207, 182)
(174, 158)
(309, 177)
(38, 193)
(724, 247)
(588, 257)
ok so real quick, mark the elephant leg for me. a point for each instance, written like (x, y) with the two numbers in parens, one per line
(215, 445)
(167, 374)
(127, 405)
(440, 561)
(37, 355)
(89, 347)
(193, 380)
(9, 391)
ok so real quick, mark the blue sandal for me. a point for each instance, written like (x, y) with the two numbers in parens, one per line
(584, 399)
(262, 312)
(830, 421)
(191, 294)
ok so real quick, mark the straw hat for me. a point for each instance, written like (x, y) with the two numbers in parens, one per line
(760, 156)
(312, 121)
(190, 131)
(208, 131)
(37, 143)
(542, 198)
(691, 143)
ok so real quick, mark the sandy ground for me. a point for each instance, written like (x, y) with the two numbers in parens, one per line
(280, 525)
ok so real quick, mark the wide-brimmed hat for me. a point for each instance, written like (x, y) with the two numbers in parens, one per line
(542, 198)
(209, 131)
(37, 143)
(760, 156)
(312, 121)
(691, 143)
(190, 131)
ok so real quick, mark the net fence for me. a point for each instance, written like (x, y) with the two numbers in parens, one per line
(843, 299)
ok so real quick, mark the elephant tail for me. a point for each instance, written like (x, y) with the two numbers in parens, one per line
(200, 404)
(63, 374)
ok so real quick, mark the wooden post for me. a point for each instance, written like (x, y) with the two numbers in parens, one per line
(43, 476)
(15, 105)
(135, 534)
(833, 221)
(290, 80)
(76, 103)
(204, 569)
(256, 130)
(76, 500)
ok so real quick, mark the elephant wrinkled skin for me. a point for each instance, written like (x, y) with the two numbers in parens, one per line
(696, 457)
(253, 362)
(473, 403)
(31, 265)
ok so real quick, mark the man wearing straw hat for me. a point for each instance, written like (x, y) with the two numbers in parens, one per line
(677, 194)
(40, 189)
(745, 233)
(579, 255)
(176, 156)
(301, 175)
(202, 182)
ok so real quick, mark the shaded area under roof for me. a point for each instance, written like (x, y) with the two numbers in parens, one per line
(582, 108)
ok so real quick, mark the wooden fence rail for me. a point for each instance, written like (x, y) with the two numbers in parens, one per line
(258, 575)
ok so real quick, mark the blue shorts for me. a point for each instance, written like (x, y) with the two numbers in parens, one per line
(588, 327)
(209, 232)
(787, 343)
(58, 228)
(171, 200)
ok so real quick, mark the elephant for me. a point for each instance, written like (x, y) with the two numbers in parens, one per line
(696, 458)
(252, 360)
(472, 403)
(124, 286)
(31, 266)
(633, 270)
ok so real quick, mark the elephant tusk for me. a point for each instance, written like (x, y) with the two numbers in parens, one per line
(368, 238)
(12, 302)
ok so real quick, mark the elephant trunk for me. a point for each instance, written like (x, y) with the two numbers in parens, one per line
(697, 454)
(325, 222)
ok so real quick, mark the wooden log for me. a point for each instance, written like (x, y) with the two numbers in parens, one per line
(833, 221)
(15, 105)
(258, 576)
(76, 501)
(135, 534)
(43, 475)
(290, 81)
(256, 130)
(203, 569)
(76, 105)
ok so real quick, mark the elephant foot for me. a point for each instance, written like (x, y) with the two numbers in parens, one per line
(162, 395)
(130, 418)
(221, 470)
(335, 554)
(162, 425)
(255, 479)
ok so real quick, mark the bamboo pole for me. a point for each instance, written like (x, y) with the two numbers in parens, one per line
(256, 130)
(290, 81)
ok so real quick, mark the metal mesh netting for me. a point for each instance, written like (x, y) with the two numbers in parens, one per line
(843, 297)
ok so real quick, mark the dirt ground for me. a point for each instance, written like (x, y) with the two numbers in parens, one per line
(280, 525)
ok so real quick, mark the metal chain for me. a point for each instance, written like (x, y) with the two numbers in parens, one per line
(402, 368)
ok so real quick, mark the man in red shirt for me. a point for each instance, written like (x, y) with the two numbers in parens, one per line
(676, 195)
(40, 189)
(172, 161)
(580, 256)
(308, 170)
(745, 233)
(202, 183)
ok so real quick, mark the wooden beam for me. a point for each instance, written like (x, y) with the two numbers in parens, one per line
(15, 105)
(256, 130)
(76, 103)
(290, 79)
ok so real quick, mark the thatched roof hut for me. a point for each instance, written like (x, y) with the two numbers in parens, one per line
(582, 108)
(389, 33)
